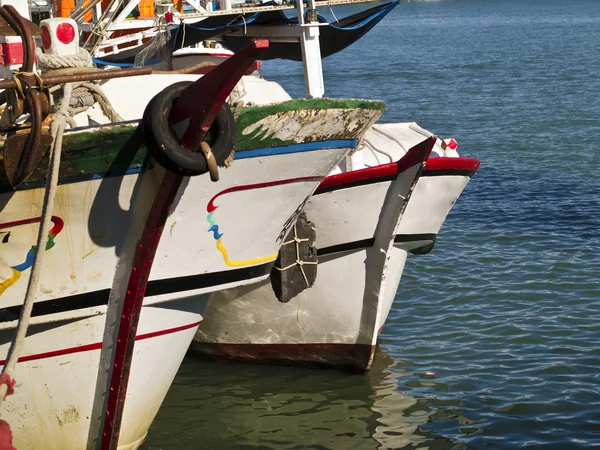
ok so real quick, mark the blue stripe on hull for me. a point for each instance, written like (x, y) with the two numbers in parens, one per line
(296, 148)
(243, 154)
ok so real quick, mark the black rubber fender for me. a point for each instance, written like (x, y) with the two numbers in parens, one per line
(163, 144)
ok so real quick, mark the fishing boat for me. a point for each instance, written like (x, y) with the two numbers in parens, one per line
(116, 36)
(136, 232)
(368, 215)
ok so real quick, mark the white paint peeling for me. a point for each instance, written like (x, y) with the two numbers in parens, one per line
(299, 126)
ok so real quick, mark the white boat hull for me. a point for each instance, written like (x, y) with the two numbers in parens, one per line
(336, 321)
(189, 57)
(218, 235)
(57, 377)
(79, 272)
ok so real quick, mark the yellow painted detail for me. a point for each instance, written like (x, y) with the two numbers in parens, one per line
(246, 262)
(10, 281)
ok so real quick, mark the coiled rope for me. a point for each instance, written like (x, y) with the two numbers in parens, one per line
(84, 94)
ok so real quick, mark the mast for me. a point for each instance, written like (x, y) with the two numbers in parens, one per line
(311, 50)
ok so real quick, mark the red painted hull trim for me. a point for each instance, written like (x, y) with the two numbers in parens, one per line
(389, 171)
(98, 345)
(453, 164)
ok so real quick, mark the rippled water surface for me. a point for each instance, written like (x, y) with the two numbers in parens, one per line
(505, 310)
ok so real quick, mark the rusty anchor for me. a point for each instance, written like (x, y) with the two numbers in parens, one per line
(27, 93)
(22, 153)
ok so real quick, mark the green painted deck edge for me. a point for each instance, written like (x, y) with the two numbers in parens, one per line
(253, 114)
(315, 103)
(115, 149)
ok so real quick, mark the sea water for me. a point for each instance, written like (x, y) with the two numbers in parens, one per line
(506, 309)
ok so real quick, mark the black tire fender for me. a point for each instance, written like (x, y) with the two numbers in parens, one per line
(163, 143)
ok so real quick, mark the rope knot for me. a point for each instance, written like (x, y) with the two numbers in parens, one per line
(22, 84)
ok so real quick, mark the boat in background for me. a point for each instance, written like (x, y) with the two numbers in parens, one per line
(114, 38)
(116, 32)
(200, 56)
(364, 231)
(190, 56)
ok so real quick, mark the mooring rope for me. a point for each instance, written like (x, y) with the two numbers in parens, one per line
(17, 74)
(76, 98)
(38, 259)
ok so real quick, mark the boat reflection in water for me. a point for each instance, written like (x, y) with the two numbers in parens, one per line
(223, 406)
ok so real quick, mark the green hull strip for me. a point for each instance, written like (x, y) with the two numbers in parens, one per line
(117, 148)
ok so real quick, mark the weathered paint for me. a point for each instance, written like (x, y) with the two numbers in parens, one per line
(118, 148)
(101, 150)
(336, 320)
(299, 121)
(97, 214)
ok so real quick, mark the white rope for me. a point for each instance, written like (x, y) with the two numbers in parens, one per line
(42, 238)
(374, 150)
(84, 94)
(75, 99)
(332, 13)
(390, 136)
(298, 261)
(46, 62)
(183, 40)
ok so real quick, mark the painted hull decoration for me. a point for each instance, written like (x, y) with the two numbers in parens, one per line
(18, 269)
(217, 235)
(336, 322)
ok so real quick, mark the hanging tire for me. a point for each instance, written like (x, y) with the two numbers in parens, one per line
(163, 143)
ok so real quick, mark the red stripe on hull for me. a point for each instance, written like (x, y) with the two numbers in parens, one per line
(57, 221)
(344, 356)
(442, 163)
(354, 176)
(98, 345)
(16, 223)
(211, 55)
(248, 187)
(386, 171)
(414, 156)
